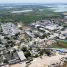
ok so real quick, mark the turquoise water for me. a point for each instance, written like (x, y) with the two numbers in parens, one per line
(62, 50)
(60, 8)
(57, 8)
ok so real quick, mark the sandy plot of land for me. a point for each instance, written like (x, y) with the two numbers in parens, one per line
(22, 64)
(45, 61)
(16, 65)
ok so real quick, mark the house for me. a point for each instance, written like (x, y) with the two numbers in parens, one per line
(62, 37)
(37, 33)
(21, 55)
(30, 34)
(64, 32)
(12, 58)
(51, 27)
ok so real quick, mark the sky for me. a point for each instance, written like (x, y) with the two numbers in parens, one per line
(33, 1)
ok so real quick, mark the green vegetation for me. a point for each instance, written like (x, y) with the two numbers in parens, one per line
(27, 17)
(24, 49)
(11, 54)
(48, 52)
(5, 61)
(62, 41)
(27, 54)
(36, 56)
(60, 44)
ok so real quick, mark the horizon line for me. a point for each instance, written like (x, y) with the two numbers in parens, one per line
(35, 3)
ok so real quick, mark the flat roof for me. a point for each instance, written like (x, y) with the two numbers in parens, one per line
(21, 55)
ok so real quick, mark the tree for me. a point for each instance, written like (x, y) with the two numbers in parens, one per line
(24, 48)
(38, 49)
(48, 52)
(6, 46)
(14, 50)
(36, 55)
(0, 55)
(0, 41)
(42, 37)
(8, 52)
(41, 53)
(5, 61)
(30, 48)
(65, 26)
(35, 42)
(6, 38)
(27, 54)
(11, 54)
(59, 24)
(17, 34)
(10, 41)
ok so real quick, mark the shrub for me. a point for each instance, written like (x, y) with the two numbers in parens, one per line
(24, 49)
(5, 61)
(27, 54)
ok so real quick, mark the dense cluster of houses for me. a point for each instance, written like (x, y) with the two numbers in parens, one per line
(42, 34)
(8, 39)
(49, 27)
(9, 28)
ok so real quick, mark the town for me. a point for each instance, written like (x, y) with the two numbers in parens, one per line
(33, 35)
(22, 44)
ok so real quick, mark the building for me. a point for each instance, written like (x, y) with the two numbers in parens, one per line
(21, 55)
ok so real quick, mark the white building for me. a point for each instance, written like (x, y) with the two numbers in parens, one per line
(51, 27)
(21, 55)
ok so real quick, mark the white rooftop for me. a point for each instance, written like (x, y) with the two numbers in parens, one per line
(21, 55)
(51, 27)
